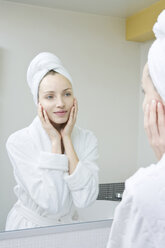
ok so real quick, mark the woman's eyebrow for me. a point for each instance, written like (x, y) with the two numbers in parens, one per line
(51, 91)
(67, 89)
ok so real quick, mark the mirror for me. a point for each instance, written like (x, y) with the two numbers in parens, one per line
(105, 70)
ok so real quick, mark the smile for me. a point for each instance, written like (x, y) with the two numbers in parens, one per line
(60, 113)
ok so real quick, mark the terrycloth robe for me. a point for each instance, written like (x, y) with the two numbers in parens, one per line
(44, 187)
(139, 220)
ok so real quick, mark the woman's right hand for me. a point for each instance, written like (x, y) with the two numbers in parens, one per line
(154, 115)
(154, 124)
(54, 135)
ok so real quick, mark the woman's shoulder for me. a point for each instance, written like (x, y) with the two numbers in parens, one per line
(147, 183)
(21, 135)
(18, 136)
(147, 190)
(140, 178)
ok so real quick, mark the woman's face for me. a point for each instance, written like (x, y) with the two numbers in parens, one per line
(148, 88)
(56, 97)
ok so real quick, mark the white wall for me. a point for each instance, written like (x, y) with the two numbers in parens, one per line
(104, 67)
(146, 155)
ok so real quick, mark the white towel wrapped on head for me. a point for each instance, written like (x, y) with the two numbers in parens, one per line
(156, 56)
(39, 67)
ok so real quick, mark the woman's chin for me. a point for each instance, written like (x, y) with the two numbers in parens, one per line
(58, 121)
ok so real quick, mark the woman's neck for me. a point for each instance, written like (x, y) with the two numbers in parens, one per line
(57, 126)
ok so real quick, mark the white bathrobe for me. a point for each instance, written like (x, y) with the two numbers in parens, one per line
(46, 193)
(139, 220)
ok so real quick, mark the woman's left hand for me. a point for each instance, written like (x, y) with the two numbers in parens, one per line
(67, 130)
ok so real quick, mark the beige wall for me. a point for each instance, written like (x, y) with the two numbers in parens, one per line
(105, 69)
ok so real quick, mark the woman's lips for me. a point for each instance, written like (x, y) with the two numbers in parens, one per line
(60, 113)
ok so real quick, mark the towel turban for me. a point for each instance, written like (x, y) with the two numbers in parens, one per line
(39, 67)
(156, 56)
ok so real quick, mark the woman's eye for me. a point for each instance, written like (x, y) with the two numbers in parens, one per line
(68, 94)
(49, 97)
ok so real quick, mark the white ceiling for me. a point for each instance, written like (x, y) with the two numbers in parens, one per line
(119, 8)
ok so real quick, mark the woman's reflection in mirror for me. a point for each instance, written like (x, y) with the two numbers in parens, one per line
(54, 161)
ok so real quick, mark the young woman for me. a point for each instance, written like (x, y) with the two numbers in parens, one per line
(139, 219)
(54, 161)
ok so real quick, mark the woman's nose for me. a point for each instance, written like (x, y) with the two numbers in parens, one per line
(60, 102)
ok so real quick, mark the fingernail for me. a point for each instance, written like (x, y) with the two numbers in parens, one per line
(153, 101)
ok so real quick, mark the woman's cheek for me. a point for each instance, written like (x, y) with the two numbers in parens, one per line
(46, 105)
(72, 101)
(70, 105)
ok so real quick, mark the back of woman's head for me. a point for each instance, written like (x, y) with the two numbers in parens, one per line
(156, 56)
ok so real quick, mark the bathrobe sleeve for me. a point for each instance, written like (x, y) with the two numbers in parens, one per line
(83, 182)
(39, 173)
(139, 219)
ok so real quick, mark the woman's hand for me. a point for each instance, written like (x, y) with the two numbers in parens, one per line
(154, 116)
(67, 130)
(53, 134)
(154, 124)
(66, 138)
